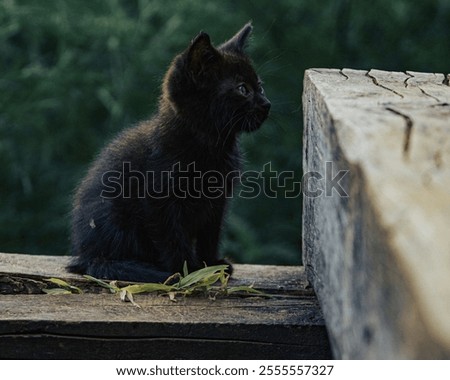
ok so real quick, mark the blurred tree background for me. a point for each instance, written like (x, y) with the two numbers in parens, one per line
(75, 72)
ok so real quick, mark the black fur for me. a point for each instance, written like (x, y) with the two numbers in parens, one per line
(122, 227)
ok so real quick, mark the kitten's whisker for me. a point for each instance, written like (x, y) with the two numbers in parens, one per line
(267, 62)
(234, 119)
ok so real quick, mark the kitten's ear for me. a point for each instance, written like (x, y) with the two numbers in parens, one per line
(201, 54)
(238, 42)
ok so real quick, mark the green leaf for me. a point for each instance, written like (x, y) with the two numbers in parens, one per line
(246, 289)
(224, 279)
(172, 278)
(210, 280)
(185, 269)
(147, 288)
(58, 281)
(112, 288)
(199, 275)
(64, 284)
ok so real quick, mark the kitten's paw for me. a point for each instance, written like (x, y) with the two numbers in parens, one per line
(226, 262)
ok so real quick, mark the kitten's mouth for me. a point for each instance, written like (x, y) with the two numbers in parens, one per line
(255, 120)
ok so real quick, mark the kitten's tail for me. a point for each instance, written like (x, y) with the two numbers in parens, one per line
(117, 270)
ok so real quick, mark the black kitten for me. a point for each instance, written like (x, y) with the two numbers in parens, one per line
(156, 195)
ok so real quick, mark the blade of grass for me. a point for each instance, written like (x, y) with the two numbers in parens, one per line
(172, 278)
(147, 288)
(199, 275)
(113, 289)
(209, 280)
(245, 289)
(64, 284)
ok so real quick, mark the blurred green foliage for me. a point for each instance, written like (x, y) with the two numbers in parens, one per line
(75, 72)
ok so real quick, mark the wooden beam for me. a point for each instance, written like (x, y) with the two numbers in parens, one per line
(379, 258)
(100, 326)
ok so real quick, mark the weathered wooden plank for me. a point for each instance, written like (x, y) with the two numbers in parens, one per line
(100, 326)
(37, 326)
(21, 273)
(379, 259)
(157, 309)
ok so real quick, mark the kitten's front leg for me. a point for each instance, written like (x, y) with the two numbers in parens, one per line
(173, 243)
(207, 247)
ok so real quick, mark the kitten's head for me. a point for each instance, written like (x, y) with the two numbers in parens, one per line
(217, 84)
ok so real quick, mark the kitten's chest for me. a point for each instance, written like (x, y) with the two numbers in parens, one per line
(206, 183)
(216, 160)
(201, 213)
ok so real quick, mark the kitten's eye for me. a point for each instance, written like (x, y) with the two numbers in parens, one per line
(242, 88)
(261, 90)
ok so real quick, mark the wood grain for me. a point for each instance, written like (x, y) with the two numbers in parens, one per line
(99, 326)
(379, 259)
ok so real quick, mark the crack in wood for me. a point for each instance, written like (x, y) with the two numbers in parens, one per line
(440, 105)
(376, 83)
(343, 74)
(408, 129)
(446, 80)
(420, 88)
(429, 95)
(405, 82)
(138, 339)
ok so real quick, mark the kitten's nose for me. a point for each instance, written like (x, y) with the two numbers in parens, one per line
(265, 105)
